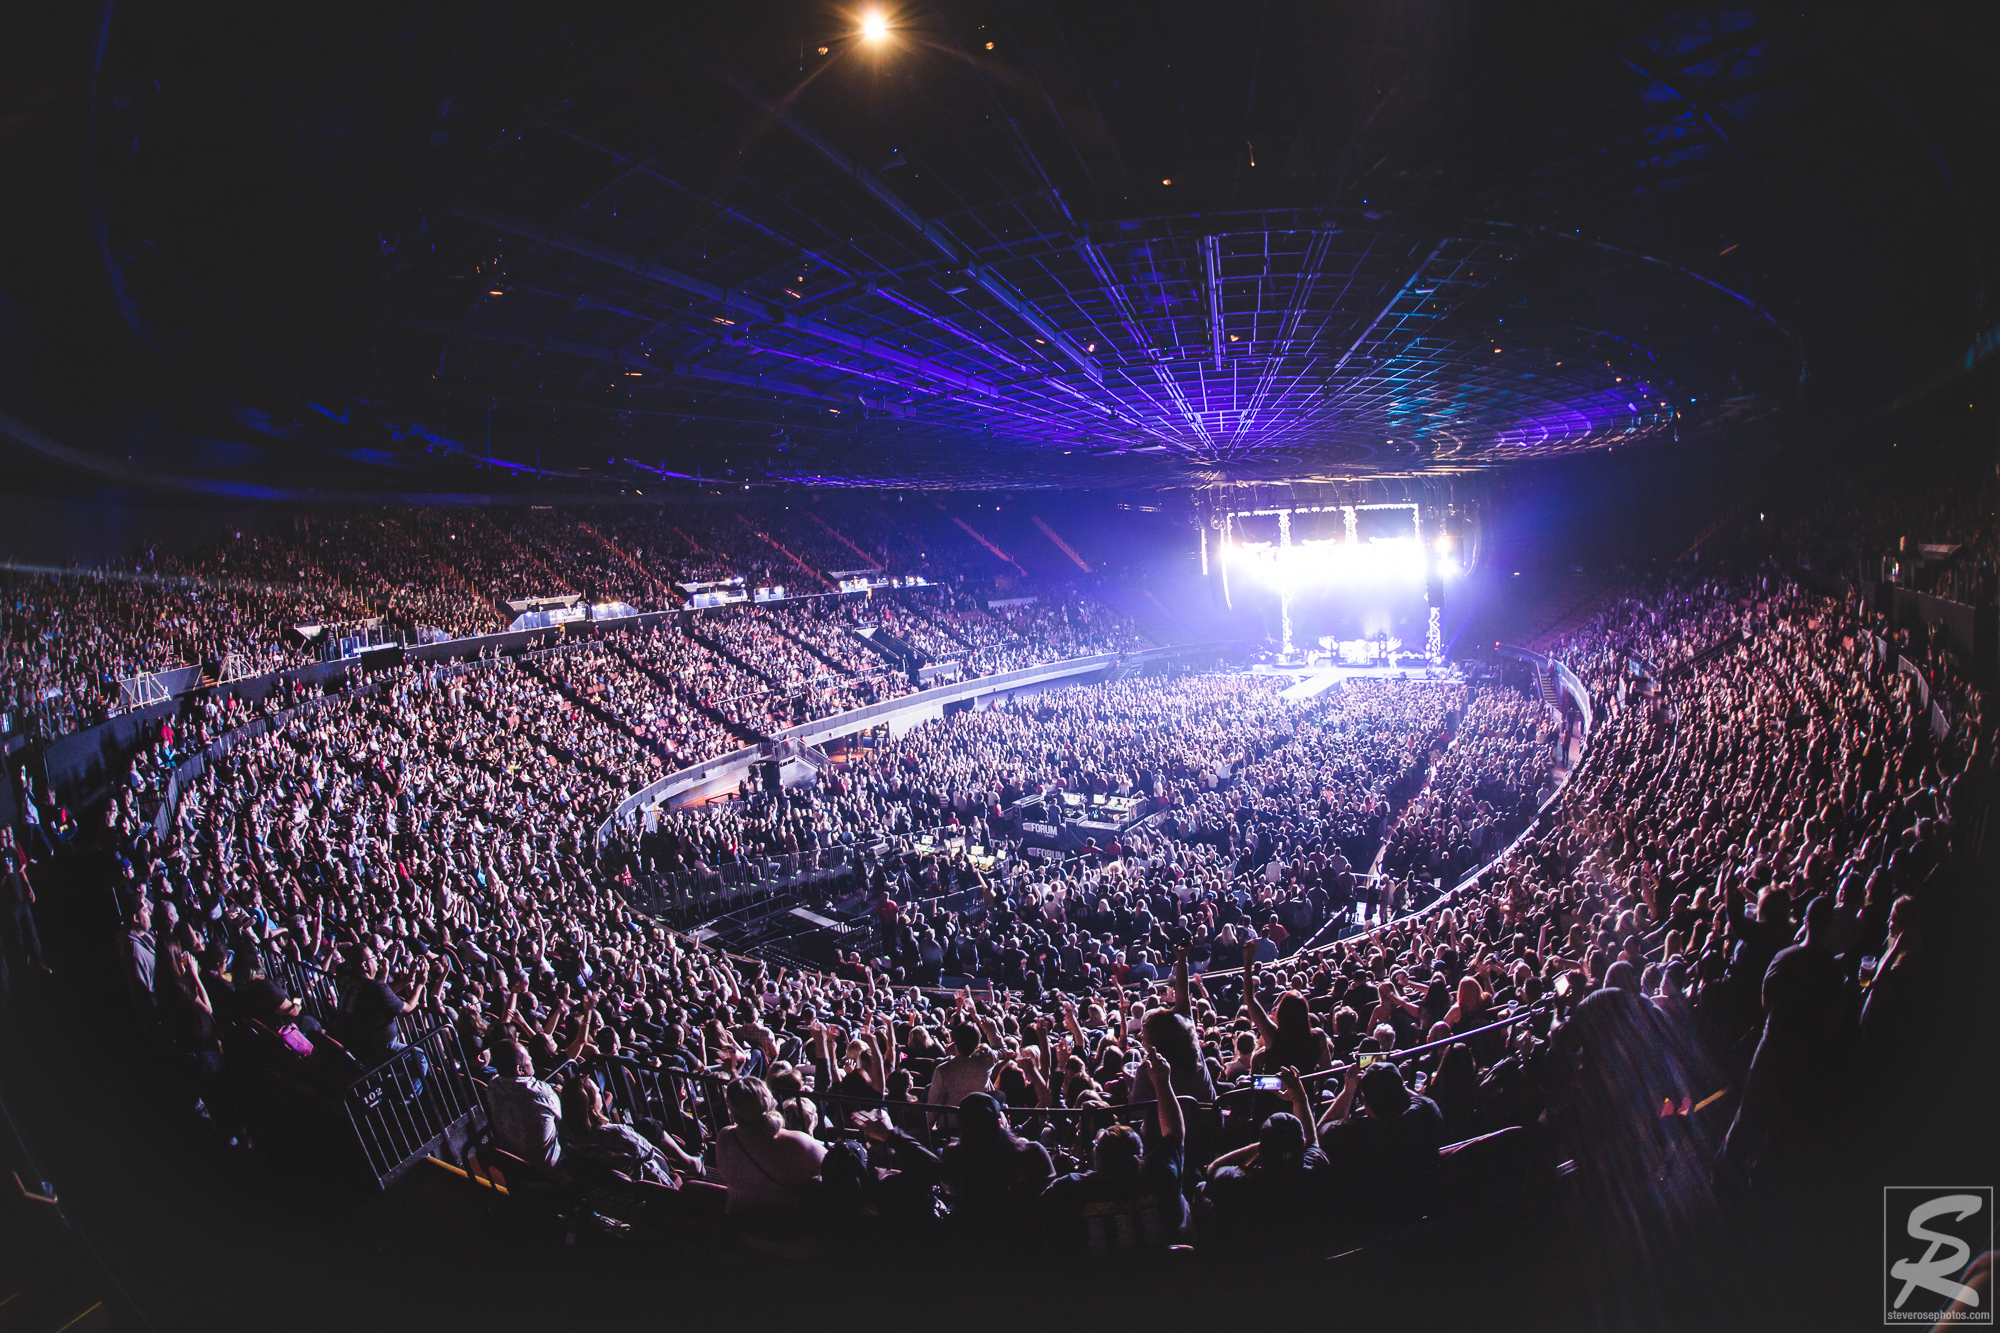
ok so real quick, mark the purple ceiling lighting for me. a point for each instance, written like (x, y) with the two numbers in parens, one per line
(827, 285)
(1109, 245)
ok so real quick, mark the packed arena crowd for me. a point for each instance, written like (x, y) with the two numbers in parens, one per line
(1485, 788)
(1281, 991)
(68, 637)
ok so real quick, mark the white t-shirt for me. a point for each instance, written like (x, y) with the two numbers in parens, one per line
(525, 1113)
(959, 1077)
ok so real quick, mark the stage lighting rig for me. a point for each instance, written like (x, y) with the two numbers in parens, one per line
(1291, 567)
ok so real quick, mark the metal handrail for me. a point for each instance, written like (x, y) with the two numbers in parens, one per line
(1535, 1010)
(408, 1104)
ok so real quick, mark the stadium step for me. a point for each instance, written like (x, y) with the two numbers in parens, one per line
(734, 659)
(807, 644)
(1156, 619)
(868, 561)
(979, 537)
(534, 552)
(674, 595)
(1573, 608)
(678, 690)
(1705, 656)
(1718, 525)
(598, 710)
(556, 748)
(943, 626)
(50, 1281)
(445, 750)
(45, 1306)
(1061, 545)
(786, 551)
(891, 648)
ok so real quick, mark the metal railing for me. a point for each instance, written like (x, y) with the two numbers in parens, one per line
(403, 1108)
(1539, 1009)
(312, 987)
(153, 687)
(734, 879)
(691, 1107)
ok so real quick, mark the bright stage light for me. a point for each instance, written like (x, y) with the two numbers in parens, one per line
(1331, 564)
(1443, 542)
(873, 26)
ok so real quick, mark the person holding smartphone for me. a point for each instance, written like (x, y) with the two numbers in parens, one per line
(1271, 1191)
(1381, 1139)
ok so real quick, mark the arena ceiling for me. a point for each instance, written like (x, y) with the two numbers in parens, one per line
(528, 246)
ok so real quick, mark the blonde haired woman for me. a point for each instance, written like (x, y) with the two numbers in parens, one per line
(767, 1170)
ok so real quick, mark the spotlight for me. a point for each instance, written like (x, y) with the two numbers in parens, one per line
(1331, 564)
(873, 26)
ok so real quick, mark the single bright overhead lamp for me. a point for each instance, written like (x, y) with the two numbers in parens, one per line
(873, 26)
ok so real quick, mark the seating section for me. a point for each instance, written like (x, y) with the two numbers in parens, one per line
(67, 639)
(1467, 970)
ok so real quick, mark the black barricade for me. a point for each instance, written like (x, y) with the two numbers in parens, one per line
(312, 988)
(404, 1107)
(690, 1106)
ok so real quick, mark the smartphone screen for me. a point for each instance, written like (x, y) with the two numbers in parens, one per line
(1268, 1083)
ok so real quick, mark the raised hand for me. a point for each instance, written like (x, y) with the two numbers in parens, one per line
(874, 1124)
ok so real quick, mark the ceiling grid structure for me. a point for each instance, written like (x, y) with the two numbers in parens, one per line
(1026, 245)
(943, 261)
